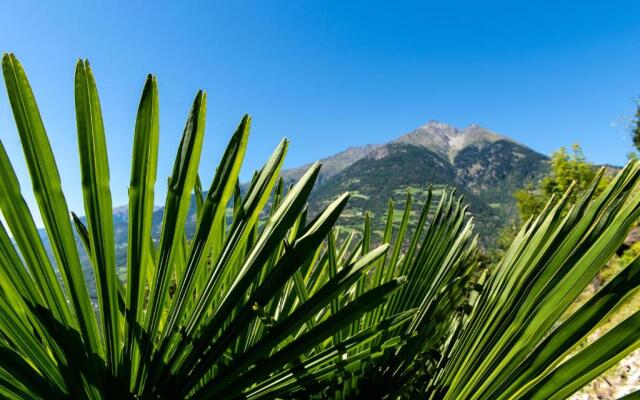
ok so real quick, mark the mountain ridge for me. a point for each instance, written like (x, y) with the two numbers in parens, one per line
(440, 137)
(482, 165)
(449, 140)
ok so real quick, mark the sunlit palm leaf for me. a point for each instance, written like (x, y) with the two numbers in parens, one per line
(262, 302)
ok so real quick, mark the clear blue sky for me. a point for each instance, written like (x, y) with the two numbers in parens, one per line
(329, 75)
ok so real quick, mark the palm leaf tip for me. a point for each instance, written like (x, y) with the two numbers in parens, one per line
(269, 299)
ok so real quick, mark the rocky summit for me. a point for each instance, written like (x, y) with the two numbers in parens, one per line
(485, 166)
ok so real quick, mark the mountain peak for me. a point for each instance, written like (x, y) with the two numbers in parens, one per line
(447, 140)
(435, 124)
(439, 137)
(474, 126)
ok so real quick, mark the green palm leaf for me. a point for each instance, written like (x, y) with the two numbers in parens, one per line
(268, 300)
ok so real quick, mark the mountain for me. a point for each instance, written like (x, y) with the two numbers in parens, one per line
(487, 168)
(331, 165)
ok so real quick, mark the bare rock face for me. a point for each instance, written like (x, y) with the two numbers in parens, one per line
(448, 140)
(441, 138)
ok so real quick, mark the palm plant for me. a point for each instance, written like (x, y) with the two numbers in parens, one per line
(439, 262)
(521, 340)
(264, 302)
(240, 310)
